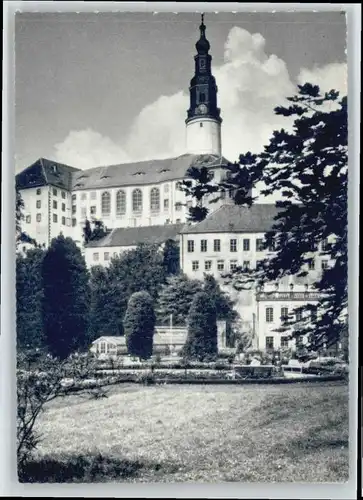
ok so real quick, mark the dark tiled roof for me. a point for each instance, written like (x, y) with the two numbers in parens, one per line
(236, 219)
(44, 172)
(144, 172)
(131, 236)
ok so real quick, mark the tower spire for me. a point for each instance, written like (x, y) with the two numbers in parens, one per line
(203, 116)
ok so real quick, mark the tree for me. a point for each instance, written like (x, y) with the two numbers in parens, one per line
(139, 269)
(93, 230)
(201, 343)
(66, 297)
(139, 324)
(222, 302)
(307, 167)
(21, 236)
(29, 296)
(108, 303)
(176, 297)
(171, 255)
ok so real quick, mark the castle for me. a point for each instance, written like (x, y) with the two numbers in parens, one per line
(141, 202)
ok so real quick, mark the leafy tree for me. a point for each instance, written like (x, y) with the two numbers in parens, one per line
(201, 343)
(21, 236)
(221, 300)
(139, 269)
(29, 296)
(176, 297)
(66, 297)
(93, 230)
(108, 303)
(171, 255)
(139, 324)
(307, 168)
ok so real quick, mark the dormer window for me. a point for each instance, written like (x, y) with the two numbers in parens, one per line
(139, 173)
(164, 170)
(105, 176)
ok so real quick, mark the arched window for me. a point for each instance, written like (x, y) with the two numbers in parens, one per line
(120, 203)
(155, 200)
(105, 203)
(137, 201)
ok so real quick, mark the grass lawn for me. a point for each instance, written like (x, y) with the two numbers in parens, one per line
(282, 433)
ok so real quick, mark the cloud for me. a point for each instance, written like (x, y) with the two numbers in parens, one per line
(330, 77)
(251, 84)
(87, 148)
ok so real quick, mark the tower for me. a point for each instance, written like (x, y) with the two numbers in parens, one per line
(203, 123)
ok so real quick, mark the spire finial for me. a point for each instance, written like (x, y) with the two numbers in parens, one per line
(202, 44)
(203, 18)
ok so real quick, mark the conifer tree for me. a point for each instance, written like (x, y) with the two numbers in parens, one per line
(139, 325)
(201, 343)
(66, 298)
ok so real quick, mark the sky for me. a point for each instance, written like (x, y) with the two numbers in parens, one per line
(109, 88)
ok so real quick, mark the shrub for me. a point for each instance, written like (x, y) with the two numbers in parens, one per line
(146, 378)
(201, 343)
(139, 325)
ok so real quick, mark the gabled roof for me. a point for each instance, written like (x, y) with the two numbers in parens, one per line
(131, 236)
(231, 218)
(144, 172)
(46, 172)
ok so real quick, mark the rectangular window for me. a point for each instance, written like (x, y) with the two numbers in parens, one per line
(63, 195)
(74, 197)
(68, 221)
(74, 222)
(55, 192)
(178, 221)
(189, 204)
(103, 347)
(259, 245)
(220, 265)
(63, 221)
(63, 207)
(269, 314)
(311, 264)
(106, 256)
(84, 196)
(39, 203)
(203, 245)
(233, 245)
(93, 195)
(96, 256)
(259, 264)
(93, 210)
(83, 212)
(246, 245)
(166, 204)
(325, 245)
(55, 218)
(74, 209)
(217, 245)
(269, 342)
(324, 264)
(207, 265)
(178, 206)
(115, 254)
(28, 219)
(246, 264)
(284, 343)
(39, 217)
(233, 265)
(190, 246)
(39, 191)
(55, 204)
(271, 247)
(195, 265)
(284, 313)
(166, 188)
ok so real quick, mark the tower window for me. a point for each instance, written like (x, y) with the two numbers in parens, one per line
(201, 124)
(202, 97)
